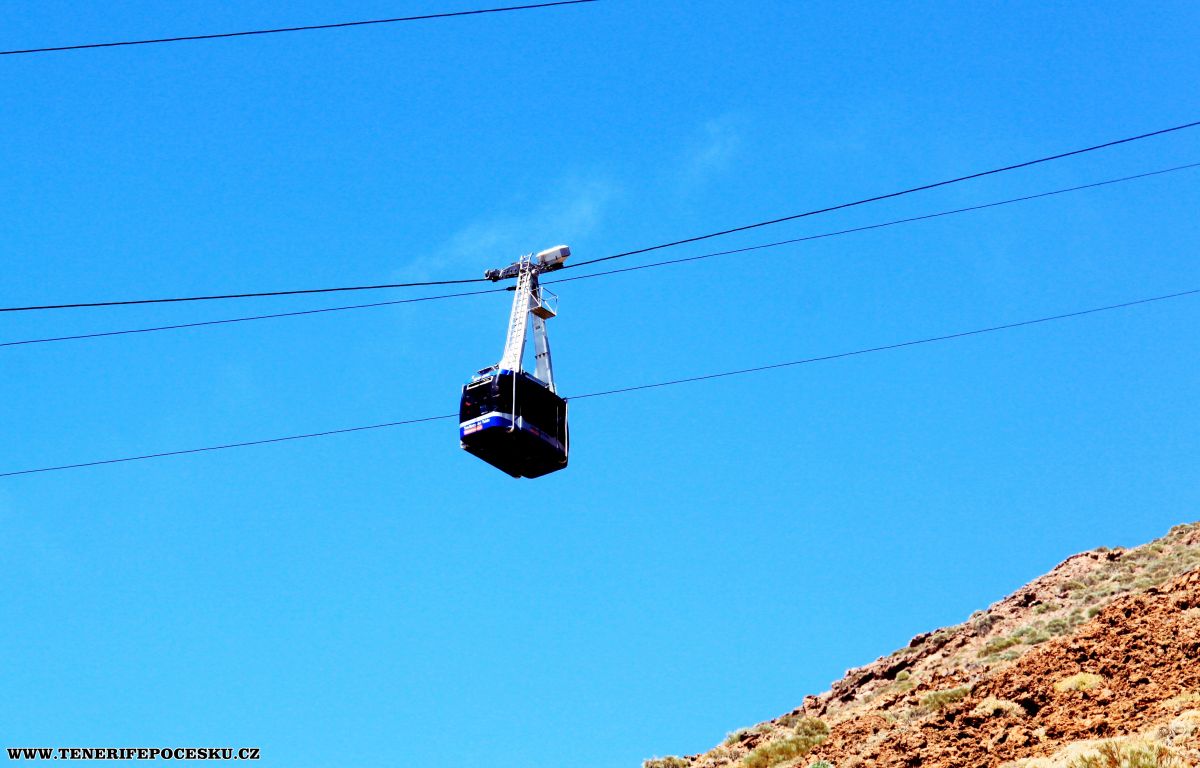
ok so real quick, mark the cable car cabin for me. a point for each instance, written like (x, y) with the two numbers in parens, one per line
(508, 418)
(514, 422)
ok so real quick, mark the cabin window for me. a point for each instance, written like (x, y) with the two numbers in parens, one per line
(476, 401)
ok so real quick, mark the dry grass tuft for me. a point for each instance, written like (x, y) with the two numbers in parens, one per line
(993, 707)
(737, 737)
(939, 700)
(1112, 755)
(1084, 681)
(809, 732)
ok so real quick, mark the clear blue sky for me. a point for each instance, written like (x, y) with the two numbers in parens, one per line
(715, 551)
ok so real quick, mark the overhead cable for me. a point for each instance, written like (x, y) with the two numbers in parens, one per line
(227, 446)
(888, 196)
(255, 295)
(885, 347)
(623, 390)
(605, 273)
(648, 249)
(307, 28)
(868, 227)
(226, 321)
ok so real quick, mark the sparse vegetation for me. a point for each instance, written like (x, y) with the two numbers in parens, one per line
(993, 707)
(1084, 681)
(1134, 570)
(737, 737)
(998, 644)
(1183, 699)
(1112, 755)
(775, 752)
(982, 622)
(1047, 607)
(1032, 634)
(808, 733)
(811, 727)
(1054, 607)
(903, 683)
(936, 701)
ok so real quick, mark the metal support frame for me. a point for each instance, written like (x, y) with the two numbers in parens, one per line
(530, 301)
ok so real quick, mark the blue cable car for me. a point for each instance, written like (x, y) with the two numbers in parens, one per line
(514, 422)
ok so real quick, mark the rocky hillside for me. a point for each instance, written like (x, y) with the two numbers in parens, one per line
(1094, 665)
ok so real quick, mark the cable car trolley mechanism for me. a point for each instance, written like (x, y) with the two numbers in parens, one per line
(510, 418)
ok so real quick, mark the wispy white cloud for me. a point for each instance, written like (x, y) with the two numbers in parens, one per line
(570, 212)
(573, 209)
(712, 153)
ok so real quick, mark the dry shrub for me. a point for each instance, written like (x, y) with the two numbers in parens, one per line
(809, 733)
(993, 707)
(1084, 681)
(1112, 755)
(939, 700)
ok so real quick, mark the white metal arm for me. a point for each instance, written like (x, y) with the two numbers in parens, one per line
(530, 299)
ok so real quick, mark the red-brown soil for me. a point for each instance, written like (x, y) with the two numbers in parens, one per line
(1146, 647)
